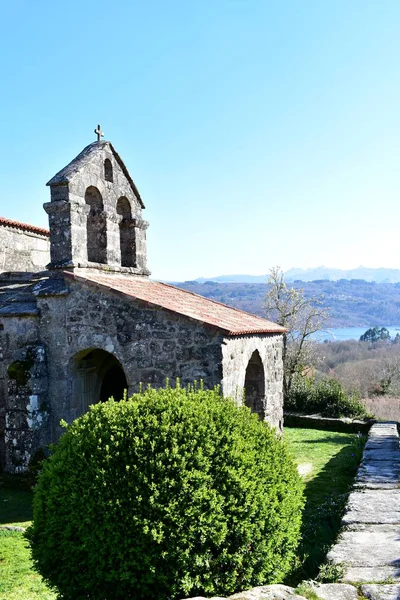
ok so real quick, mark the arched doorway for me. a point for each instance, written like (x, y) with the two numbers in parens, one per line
(96, 376)
(254, 385)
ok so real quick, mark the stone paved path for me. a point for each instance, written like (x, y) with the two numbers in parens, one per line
(369, 545)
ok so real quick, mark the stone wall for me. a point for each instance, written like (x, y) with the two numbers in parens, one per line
(149, 343)
(236, 354)
(23, 392)
(54, 361)
(22, 250)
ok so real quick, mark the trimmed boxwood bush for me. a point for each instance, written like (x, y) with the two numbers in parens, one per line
(172, 493)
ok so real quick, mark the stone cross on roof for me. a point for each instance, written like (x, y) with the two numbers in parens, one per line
(99, 133)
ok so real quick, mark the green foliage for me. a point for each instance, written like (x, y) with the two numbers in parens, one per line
(19, 371)
(331, 573)
(326, 396)
(375, 334)
(169, 494)
(306, 590)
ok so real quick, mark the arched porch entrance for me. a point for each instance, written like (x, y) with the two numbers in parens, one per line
(254, 385)
(96, 376)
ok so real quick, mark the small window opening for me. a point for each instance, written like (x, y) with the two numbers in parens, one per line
(108, 170)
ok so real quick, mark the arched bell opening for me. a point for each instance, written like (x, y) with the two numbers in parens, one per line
(97, 376)
(96, 227)
(126, 233)
(254, 385)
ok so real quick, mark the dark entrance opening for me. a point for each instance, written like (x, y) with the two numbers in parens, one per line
(97, 375)
(255, 385)
(114, 384)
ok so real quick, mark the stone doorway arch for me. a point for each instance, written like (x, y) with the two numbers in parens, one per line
(254, 385)
(96, 376)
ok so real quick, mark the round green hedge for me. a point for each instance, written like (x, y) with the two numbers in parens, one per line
(172, 493)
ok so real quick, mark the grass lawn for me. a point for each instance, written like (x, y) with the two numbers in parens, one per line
(328, 461)
(18, 581)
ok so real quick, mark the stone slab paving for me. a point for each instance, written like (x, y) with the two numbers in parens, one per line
(324, 591)
(381, 592)
(268, 592)
(335, 591)
(373, 506)
(369, 545)
(263, 592)
(390, 454)
(381, 472)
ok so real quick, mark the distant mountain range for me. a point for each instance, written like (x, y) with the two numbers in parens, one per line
(351, 302)
(381, 275)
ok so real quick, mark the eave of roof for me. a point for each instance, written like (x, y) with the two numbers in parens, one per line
(67, 173)
(24, 226)
(231, 321)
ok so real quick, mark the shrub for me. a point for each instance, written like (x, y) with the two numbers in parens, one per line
(326, 396)
(171, 493)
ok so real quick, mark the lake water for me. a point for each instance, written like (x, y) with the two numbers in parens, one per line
(349, 333)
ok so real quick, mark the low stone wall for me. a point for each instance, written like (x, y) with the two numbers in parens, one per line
(22, 250)
(343, 425)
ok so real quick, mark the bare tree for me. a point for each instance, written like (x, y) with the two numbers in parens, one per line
(301, 316)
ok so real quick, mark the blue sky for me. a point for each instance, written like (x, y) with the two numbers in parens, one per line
(259, 132)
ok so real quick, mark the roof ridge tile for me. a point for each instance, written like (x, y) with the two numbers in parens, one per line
(24, 226)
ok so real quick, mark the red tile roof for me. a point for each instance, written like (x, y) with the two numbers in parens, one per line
(24, 226)
(230, 320)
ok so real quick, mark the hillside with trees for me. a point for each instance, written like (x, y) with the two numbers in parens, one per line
(351, 303)
(368, 368)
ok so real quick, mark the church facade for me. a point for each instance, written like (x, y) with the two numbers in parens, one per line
(81, 320)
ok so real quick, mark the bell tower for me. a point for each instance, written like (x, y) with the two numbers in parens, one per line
(95, 214)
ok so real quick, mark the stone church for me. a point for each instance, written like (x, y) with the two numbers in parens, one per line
(81, 320)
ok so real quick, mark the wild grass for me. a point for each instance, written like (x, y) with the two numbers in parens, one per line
(384, 408)
(18, 579)
(329, 461)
